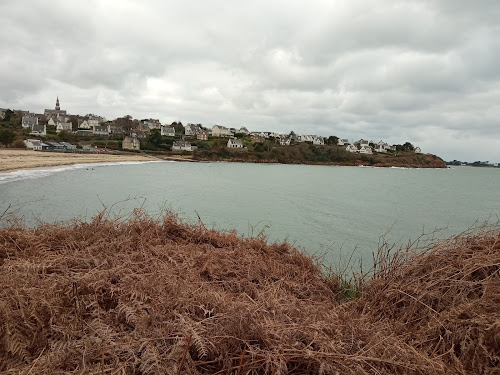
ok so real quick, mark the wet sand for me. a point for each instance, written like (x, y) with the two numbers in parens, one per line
(15, 159)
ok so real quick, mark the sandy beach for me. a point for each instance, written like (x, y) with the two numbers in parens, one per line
(15, 159)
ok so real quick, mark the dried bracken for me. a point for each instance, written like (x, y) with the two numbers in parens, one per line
(144, 296)
(446, 300)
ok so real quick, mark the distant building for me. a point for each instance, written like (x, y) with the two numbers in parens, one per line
(167, 131)
(318, 141)
(56, 113)
(116, 129)
(365, 150)
(84, 125)
(182, 146)
(221, 131)
(243, 130)
(257, 138)
(101, 130)
(55, 146)
(38, 146)
(152, 124)
(351, 148)
(28, 121)
(192, 129)
(40, 130)
(203, 136)
(234, 143)
(381, 146)
(94, 121)
(342, 142)
(285, 141)
(131, 143)
(30, 142)
(418, 150)
(66, 126)
(68, 146)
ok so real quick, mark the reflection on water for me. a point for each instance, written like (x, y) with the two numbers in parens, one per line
(325, 210)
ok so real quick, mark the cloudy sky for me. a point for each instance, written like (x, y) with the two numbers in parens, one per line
(423, 71)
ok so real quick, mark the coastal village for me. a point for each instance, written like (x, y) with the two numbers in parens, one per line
(57, 130)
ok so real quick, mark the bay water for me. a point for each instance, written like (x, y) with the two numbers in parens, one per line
(328, 211)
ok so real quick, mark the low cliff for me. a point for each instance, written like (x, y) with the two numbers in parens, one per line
(321, 155)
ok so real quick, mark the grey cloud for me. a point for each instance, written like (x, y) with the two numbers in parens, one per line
(396, 70)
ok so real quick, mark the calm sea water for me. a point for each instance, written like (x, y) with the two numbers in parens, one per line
(325, 210)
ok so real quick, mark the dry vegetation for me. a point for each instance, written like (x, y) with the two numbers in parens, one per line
(305, 153)
(144, 296)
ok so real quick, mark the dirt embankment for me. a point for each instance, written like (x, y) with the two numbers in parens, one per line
(150, 297)
(322, 155)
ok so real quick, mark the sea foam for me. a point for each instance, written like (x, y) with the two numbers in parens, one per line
(35, 173)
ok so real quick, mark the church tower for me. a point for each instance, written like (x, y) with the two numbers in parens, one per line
(58, 108)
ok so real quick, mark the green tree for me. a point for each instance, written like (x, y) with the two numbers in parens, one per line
(8, 114)
(179, 128)
(155, 137)
(408, 147)
(126, 123)
(332, 140)
(7, 136)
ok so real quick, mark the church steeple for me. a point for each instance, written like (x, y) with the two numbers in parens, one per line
(57, 104)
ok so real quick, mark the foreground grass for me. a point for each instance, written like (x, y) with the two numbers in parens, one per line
(144, 296)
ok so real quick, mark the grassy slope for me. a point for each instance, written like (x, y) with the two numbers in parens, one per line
(327, 155)
(147, 297)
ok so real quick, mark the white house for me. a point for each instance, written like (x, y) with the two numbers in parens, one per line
(285, 141)
(67, 126)
(351, 148)
(30, 142)
(221, 131)
(192, 129)
(93, 122)
(37, 146)
(40, 130)
(365, 150)
(152, 124)
(381, 146)
(167, 131)
(418, 150)
(84, 125)
(101, 130)
(363, 142)
(28, 121)
(319, 141)
(342, 142)
(182, 146)
(234, 143)
(264, 135)
(306, 138)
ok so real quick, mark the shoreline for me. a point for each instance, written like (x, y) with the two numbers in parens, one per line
(13, 160)
(326, 164)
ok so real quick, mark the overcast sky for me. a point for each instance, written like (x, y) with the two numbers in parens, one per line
(427, 72)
